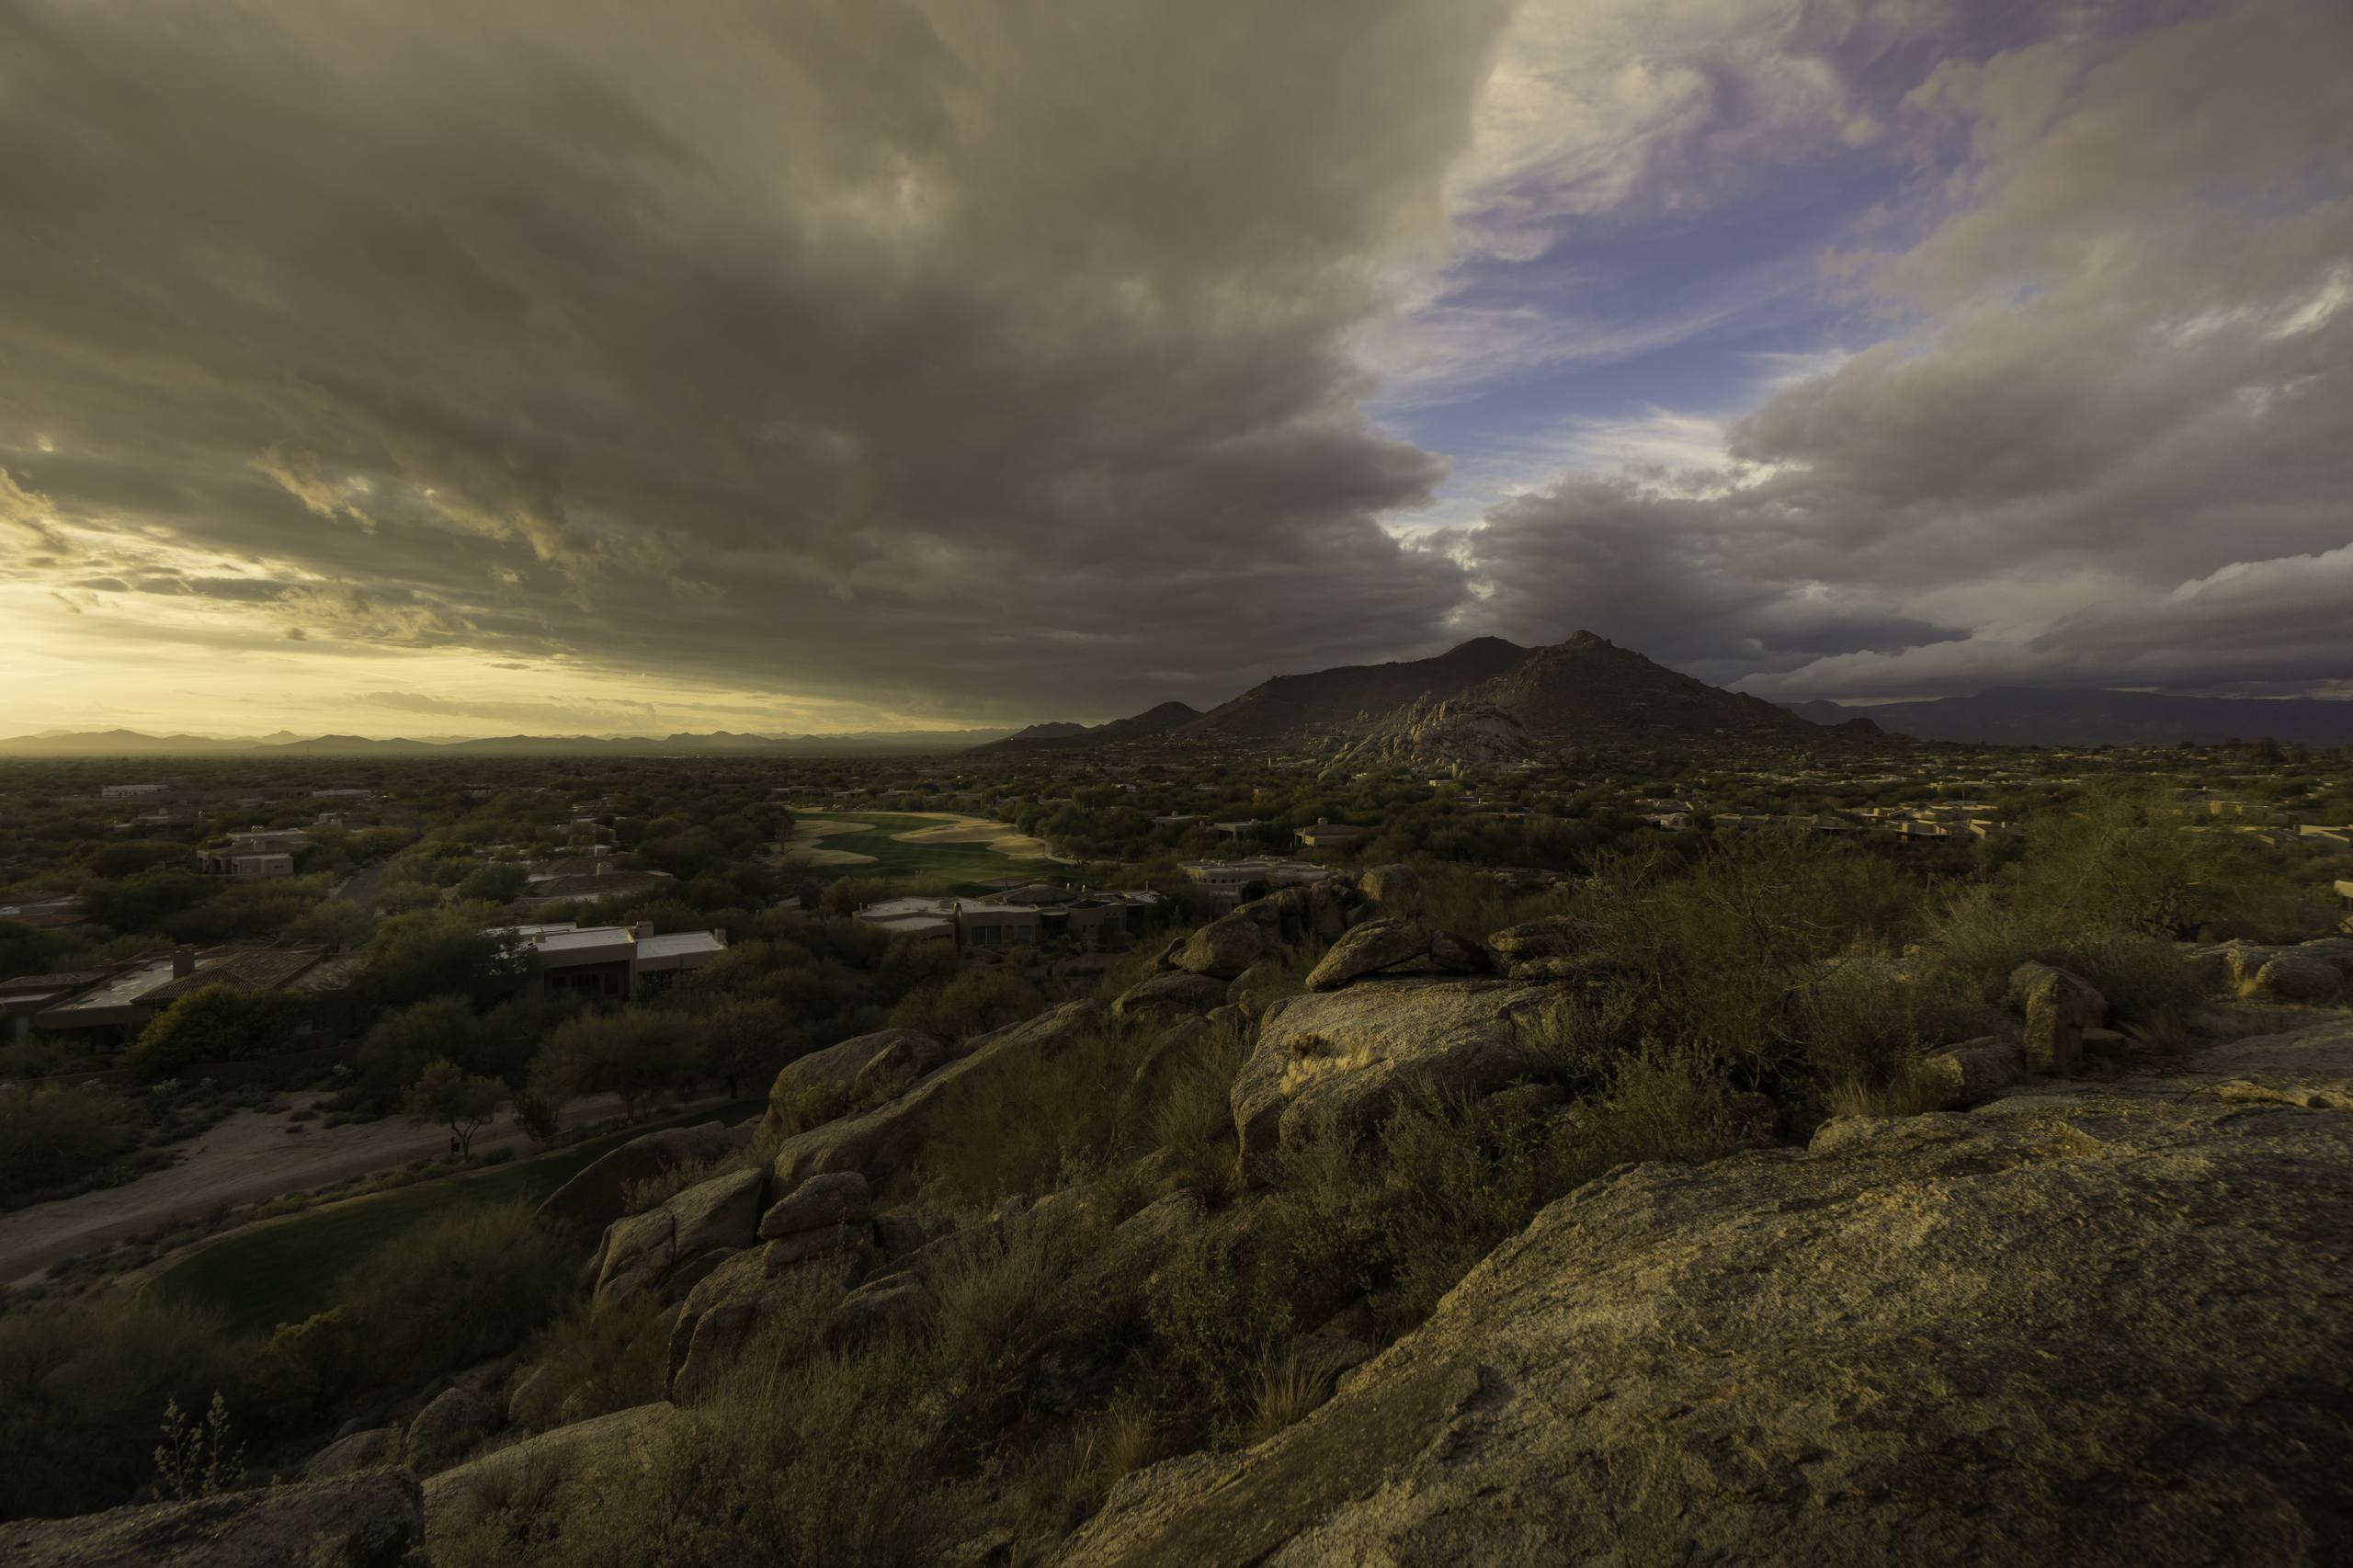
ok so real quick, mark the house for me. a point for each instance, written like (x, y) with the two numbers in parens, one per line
(1029, 915)
(1238, 881)
(43, 911)
(613, 963)
(126, 792)
(257, 852)
(28, 995)
(1335, 835)
(244, 868)
(584, 877)
(116, 1004)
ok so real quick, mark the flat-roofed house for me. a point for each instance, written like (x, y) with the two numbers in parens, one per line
(257, 852)
(613, 963)
(118, 1005)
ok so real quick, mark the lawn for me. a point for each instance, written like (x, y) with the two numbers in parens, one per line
(285, 1270)
(967, 867)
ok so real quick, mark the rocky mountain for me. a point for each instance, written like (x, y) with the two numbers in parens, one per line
(1585, 691)
(1353, 696)
(1440, 734)
(2031, 716)
(1151, 722)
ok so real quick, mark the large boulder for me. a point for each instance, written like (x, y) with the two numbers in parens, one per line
(1967, 1073)
(1458, 954)
(357, 1452)
(1165, 998)
(2296, 977)
(822, 1203)
(2059, 1007)
(1227, 946)
(1393, 890)
(1332, 907)
(374, 1519)
(879, 1143)
(1550, 937)
(639, 1252)
(2102, 1325)
(447, 1428)
(1375, 946)
(806, 1086)
(593, 1198)
(1344, 1056)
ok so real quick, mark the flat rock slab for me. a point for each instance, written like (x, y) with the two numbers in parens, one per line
(375, 1516)
(2089, 1323)
(1346, 1055)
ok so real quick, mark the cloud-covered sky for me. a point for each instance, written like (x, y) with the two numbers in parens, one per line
(403, 366)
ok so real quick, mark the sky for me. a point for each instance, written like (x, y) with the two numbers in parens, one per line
(409, 367)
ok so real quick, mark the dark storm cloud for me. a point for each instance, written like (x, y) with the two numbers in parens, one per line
(941, 354)
(2113, 444)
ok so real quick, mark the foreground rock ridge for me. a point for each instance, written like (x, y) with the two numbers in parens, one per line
(2084, 1322)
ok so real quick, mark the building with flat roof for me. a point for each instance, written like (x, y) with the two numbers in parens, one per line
(1018, 917)
(1239, 880)
(613, 963)
(115, 1005)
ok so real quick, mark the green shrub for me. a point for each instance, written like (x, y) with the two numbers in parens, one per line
(83, 1384)
(53, 1134)
(453, 1291)
(215, 1023)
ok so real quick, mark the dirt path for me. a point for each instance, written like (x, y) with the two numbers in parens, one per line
(248, 1157)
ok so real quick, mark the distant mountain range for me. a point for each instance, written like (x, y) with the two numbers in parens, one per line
(1064, 737)
(131, 743)
(1486, 701)
(2062, 716)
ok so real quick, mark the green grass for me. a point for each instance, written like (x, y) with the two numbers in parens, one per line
(285, 1271)
(966, 864)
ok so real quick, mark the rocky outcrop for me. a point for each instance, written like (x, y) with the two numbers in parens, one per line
(1395, 891)
(719, 1319)
(1458, 954)
(577, 1452)
(447, 1428)
(1165, 998)
(821, 1203)
(880, 1141)
(2296, 977)
(830, 1076)
(360, 1450)
(1344, 1056)
(2059, 1007)
(593, 1200)
(370, 1520)
(1375, 946)
(1227, 946)
(1550, 937)
(640, 1251)
(2093, 1323)
(1265, 931)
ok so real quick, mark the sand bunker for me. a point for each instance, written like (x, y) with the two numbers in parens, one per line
(956, 828)
(805, 850)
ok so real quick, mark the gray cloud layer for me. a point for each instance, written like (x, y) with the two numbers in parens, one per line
(2117, 444)
(989, 356)
(942, 353)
